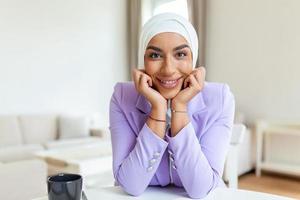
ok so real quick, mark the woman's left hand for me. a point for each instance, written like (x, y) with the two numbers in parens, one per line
(192, 85)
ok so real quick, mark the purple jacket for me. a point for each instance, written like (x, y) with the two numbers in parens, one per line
(193, 159)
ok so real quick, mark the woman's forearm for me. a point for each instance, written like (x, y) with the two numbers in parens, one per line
(157, 121)
(179, 119)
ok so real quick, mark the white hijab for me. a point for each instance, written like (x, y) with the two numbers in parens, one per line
(167, 22)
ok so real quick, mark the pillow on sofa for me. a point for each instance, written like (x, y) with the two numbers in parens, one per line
(10, 133)
(74, 126)
(38, 128)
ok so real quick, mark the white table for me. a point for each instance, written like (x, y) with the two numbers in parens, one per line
(93, 162)
(87, 160)
(174, 193)
(168, 193)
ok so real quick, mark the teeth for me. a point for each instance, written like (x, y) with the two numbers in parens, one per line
(168, 82)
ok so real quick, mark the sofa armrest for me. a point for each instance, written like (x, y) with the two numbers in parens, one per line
(23, 179)
(15, 153)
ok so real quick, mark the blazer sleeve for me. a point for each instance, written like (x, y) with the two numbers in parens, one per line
(200, 164)
(135, 159)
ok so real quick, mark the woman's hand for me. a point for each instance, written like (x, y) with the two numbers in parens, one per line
(143, 84)
(192, 85)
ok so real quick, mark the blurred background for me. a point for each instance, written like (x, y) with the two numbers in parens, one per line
(59, 62)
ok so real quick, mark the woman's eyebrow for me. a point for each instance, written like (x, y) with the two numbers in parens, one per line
(181, 47)
(154, 48)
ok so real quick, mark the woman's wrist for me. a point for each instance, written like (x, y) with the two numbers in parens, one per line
(157, 121)
(160, 106)
(179, 117)
(178, 106)
(158, 112)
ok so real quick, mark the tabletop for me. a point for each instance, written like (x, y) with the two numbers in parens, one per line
(175, 193)
(172, 193)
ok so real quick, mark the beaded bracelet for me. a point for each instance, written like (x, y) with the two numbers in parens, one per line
(178, 111)
(158, 120)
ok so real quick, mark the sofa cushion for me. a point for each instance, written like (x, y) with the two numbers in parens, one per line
(19, 152)
(10, 133)
(38, 128)
(72, 142)
(73, 126)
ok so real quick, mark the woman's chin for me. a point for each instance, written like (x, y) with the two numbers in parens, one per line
(169, 94)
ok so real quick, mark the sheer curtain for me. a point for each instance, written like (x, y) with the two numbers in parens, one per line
(197, 16)
(135, 25)
(139, 12)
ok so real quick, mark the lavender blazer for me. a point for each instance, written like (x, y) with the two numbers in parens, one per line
(193, 159)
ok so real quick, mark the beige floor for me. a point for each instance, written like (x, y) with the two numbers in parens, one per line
(271, 183)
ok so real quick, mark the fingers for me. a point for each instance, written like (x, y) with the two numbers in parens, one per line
(136, 77)
(194, 83)
(189, 80)
(145, 80)
(150, 81)
(148, 78)
(199, 75)
(202, 73)
(195, 80)
(185, 82)
(141, 79)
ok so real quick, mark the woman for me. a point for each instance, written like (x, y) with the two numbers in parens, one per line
(169, 126)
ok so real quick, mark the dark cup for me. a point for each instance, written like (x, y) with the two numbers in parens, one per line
(64, 187)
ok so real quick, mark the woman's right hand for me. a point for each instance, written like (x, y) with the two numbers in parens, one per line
(143, 84)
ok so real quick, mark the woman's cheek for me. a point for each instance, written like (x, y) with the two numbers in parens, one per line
(148, 68)
(152, 68)
(186, 67)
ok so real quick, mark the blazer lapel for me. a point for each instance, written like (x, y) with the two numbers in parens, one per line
(140, 115)
(198, 111)
(196, 105)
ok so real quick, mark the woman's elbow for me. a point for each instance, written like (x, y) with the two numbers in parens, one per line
(200, 192)
(134, 191)
(197, 194)
(132, 188)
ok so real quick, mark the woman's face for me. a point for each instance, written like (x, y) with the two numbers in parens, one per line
(168, 60)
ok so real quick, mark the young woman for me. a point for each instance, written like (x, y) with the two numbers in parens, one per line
(169, 126)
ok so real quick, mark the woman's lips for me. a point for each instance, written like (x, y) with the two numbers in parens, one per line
(168, 83)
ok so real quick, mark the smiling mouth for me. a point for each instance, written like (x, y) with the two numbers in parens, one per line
(168, 84)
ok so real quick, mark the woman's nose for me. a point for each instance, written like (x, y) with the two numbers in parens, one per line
(168, 67)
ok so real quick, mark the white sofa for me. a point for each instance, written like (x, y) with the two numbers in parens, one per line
(246, 153)
(245, 149)
(18, 181)
(21, 136)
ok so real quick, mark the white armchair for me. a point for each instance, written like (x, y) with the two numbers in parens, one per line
(231, 165)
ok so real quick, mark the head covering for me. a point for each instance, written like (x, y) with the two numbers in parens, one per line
(167, 22)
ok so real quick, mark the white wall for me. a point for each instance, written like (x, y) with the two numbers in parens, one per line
(61, 56)
(254, 45)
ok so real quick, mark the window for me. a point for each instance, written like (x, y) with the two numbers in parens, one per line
(175, 6)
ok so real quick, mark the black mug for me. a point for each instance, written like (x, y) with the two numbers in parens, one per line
(64, 187)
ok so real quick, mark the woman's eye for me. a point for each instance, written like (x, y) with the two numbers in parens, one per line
(154, 55)
(181, 54)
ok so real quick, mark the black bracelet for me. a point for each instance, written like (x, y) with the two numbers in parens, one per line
(158, 120)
